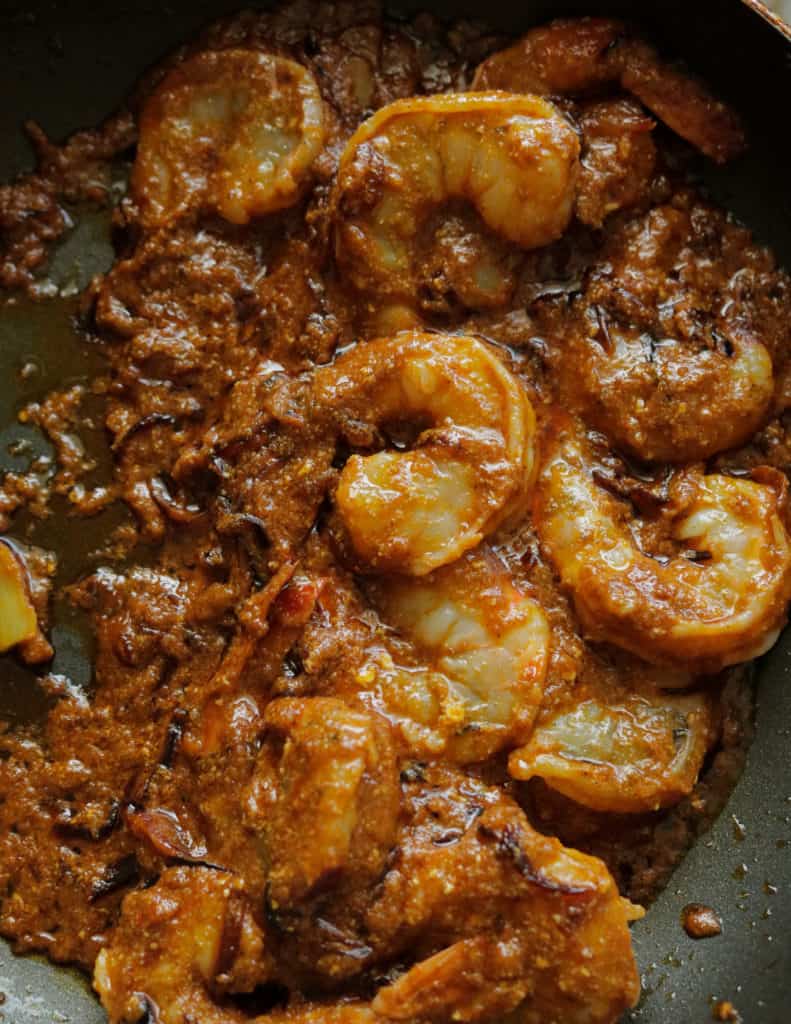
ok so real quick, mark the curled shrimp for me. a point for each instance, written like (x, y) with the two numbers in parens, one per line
(179, 947)
(573, 56)
(667, 399)
(411, 511)
(515, 158)
(719, 600)
(228, 131)
(627, 754)
(654, 356)
(489, 641)
(183, 945)
(509, 917)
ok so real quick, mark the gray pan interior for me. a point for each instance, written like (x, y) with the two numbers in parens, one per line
(67, 64)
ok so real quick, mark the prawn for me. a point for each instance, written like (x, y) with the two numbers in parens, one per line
(228, 131)
(325, 796)
(187, 942)
(579, 55)
(651, 353)
(647, 354)
(721, 599)
(631, 754)
(485, 639)
(468, 471)
(659, 398)
(200, 941)
(514, 158)
(509, 918)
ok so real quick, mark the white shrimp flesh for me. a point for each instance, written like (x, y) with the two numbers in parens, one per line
(232, 132)
(633, 754)
(489, 641)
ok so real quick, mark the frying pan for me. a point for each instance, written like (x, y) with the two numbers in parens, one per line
(68, 63)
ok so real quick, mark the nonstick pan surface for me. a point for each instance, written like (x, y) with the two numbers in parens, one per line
(68, 64)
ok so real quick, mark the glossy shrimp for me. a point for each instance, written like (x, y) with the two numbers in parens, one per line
(721, 598)
(324, 804)
(515, 159)
(471, 463)
(577, 56)
(622, 753)
(232, 132)
(487, 641)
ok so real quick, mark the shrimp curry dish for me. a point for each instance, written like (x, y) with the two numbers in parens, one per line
(447, 417)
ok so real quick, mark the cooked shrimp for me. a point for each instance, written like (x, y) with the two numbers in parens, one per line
(515, 159)
(182, 945)
(469, 469)
(423, 706)
(325, 797)
(668, 399)
(721, 600)
(504, 916)
(653, 353)
(574, 56)
(633, 754)
(486, 638)
(229, 131)
(178, 947)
